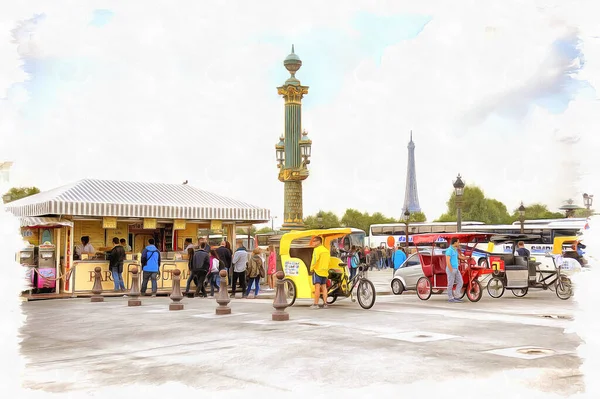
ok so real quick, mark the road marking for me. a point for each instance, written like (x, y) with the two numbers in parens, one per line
(418, 336)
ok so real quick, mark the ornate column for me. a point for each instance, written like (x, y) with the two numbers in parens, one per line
(293, 149)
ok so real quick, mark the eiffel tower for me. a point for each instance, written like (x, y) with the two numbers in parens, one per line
(411, 197)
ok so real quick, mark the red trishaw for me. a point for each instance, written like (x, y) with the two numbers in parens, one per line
(434, 265)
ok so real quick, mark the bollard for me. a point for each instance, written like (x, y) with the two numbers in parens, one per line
(97, 288)
(280, 303)
(176, 295)
(134, 293)
(222, 297)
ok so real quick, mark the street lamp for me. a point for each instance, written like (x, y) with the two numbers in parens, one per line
(280, 152)
(305, 147)
(459, 188)
(587, 202)
(273, 222)
(522, 217)
(406, 221)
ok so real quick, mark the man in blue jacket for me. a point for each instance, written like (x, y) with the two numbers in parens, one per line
(150, 267)
(398, 258)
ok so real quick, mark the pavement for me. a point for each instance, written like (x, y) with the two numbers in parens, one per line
(399, 341)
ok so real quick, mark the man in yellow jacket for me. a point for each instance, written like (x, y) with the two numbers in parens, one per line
(320, 270)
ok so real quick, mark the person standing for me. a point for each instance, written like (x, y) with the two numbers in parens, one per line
(150, 267)
(224, 254)
(188, 244)
(200, 268)
(353, 261)
(190, 252)
(452, 272)
(126, 247)
(272, 268)
(213, 275)
(398, 258)
(239, 263)
(116, 258)
(85, 247)
(320, 271)
(255, 272)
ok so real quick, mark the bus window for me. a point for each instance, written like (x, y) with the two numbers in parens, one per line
(377, 231)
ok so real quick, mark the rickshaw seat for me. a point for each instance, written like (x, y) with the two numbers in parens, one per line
(439, 264)
(335, 274)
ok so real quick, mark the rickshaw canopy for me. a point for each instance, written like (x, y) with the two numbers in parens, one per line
(326, 234)
(430, 238)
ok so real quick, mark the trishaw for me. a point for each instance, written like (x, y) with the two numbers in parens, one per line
(519, 273)
(434, 265)
(295, 250)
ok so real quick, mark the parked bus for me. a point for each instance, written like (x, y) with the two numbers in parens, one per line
(378, 233)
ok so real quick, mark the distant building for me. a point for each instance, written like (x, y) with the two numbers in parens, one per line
(411, 197)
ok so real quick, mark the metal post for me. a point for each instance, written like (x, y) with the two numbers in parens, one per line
(458, 218)
(176, 296)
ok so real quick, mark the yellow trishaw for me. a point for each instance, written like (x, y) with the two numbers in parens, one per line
(295, 250)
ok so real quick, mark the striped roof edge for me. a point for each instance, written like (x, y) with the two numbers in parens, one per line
(91, 197)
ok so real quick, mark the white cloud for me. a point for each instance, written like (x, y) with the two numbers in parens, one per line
(169, 94)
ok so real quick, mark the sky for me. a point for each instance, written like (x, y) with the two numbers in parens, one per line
(504, 93)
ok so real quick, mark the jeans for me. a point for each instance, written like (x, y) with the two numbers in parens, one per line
(118, 280)
(212, 280)
(241, 276)
(201, 274)
(352, 272)
(256, 282)
(145, 278)
(189, 281)
(454, 276)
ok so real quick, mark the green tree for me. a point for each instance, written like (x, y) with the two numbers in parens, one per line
(329, 220)
(16, 193)
(356, 219)
(415, 217)
(264, 230)
(477, 208)
(536, 211)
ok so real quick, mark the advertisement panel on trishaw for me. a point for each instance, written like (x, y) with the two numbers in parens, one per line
(434, 265)
(296, 253)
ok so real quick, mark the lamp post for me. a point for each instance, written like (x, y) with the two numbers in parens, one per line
(406, 221)
(587, 202)
(273, 222)
(294, 149)
(459, 188)
(320, 219)
(522, 217)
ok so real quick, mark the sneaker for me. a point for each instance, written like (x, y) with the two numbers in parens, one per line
(325, 306)
(458, 300)
(125, 296)
(153, 295)
(313, 306)
(452, 300)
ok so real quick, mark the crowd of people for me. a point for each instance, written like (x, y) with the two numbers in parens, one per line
(244, 269)
(374, 258)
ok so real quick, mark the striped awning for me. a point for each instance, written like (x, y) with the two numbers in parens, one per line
(44, 222)
(99, 198)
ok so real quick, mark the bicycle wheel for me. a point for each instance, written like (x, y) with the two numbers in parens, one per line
(365, 293)
(564, 288)
(290, 291)
(495, 287)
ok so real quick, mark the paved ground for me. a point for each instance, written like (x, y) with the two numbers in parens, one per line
(400, 340)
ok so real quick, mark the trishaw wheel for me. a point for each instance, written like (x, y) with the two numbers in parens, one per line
(331, 299)
(476, 292)
(520, 293)
(424, 288)
(290, 291)
(495, 287)
(564, 288)
(397, 287)
(365, 293)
